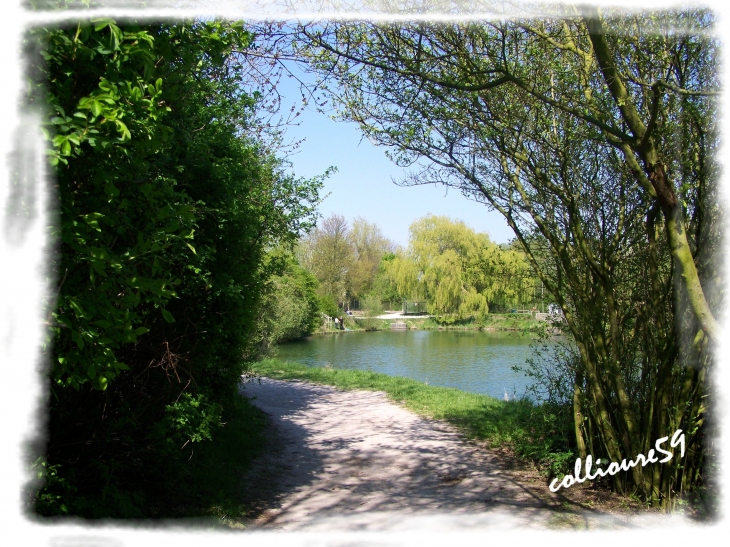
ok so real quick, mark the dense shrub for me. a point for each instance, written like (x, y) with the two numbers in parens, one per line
(289, 307)
(167, 208)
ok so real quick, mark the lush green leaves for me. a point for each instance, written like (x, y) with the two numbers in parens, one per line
(458, 272)
(289, 307)
(167, 208)
(593, 135)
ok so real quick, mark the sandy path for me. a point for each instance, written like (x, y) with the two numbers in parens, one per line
(399, 315)
(352, 460)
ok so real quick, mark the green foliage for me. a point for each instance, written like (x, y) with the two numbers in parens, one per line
(369, 245)
(458, 271)
(55, 489)
(327, 305)
(593, 134)
(384, 286)
(345, 259)
(552, 366)
(167, 208)
(372, 305)
(115, 253)
(290, 306)
(191, 418)
(211, 484)
(327, 253)
(208, 484)
(545, 437)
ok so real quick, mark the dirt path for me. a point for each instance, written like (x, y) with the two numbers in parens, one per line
(399, 315)
(353, 461)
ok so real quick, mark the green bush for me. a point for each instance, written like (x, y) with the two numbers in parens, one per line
(167, 206)
(372, 305)
(192, 419)
(289, 307)
(328, 305)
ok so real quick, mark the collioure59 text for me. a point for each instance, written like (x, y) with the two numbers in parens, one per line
(625, 465)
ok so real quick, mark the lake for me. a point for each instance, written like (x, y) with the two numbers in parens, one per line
(475, 361)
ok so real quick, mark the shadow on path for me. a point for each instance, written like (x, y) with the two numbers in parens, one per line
(352, 460)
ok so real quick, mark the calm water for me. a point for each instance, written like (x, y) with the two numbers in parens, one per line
(480, 362)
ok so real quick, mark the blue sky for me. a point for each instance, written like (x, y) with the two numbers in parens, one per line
(363, 185)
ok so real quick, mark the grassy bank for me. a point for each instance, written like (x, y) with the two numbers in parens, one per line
(541, 434)
(510, 322)
(493, 322)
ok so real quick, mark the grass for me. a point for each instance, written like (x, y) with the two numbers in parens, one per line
(511, 322)
(540, 434)
(491, 322)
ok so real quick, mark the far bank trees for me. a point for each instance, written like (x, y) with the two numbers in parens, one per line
(344, 259)
(458, 272)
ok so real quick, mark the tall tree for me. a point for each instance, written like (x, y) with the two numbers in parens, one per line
(625, 81)
(368, 245)
(589, 134)
(458, 271)
(328, 254)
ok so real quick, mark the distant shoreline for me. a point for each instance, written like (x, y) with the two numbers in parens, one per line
(493, 323)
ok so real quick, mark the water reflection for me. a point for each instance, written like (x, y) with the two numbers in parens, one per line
(480, 362)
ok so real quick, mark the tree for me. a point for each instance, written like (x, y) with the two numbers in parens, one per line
(289, 307)
(588, 134)
(327, 253)
(167, 208)
(369, 246)
(459, 272)
(384, 285)
(619, 87)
